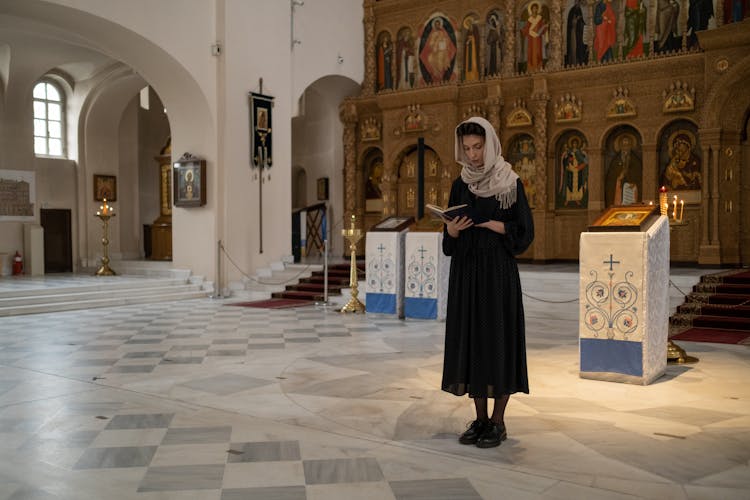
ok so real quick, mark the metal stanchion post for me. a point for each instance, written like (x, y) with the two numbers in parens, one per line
(217, 284)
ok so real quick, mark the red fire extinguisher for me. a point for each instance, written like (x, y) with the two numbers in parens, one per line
(17, 264)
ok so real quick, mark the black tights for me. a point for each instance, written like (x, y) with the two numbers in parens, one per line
(498, 412)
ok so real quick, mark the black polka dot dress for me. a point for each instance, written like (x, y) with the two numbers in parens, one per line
(485, 344)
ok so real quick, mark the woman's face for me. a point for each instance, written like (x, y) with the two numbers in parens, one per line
(473, 146)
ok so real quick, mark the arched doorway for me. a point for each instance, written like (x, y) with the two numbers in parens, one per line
(317, 148)
(116, 63)
(437, 180)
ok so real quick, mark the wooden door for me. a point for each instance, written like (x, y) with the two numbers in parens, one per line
(58, 240)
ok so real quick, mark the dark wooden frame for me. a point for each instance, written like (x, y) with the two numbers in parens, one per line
(323, 189)
(99, 181)
(395, 223)
(184, 169)
(637, 217)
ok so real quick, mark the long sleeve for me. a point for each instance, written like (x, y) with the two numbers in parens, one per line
(519, 232)
(449, 242)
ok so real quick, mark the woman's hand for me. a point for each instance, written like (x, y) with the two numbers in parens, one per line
(458, 224)
(493, 225)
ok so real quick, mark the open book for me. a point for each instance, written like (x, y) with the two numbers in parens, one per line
(458, 211)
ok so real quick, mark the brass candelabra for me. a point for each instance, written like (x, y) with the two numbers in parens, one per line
(353, 235)
(105, 213)
(675, 353)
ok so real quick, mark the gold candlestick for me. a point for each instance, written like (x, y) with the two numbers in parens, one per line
(353, 235)
(105, 213)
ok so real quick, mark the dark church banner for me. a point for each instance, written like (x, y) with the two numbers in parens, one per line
(261, 152)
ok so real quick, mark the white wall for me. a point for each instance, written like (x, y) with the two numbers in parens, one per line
(167, 43)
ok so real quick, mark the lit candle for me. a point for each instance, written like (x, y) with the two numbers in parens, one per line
(674, 207)
(682, 208)
(663, 203)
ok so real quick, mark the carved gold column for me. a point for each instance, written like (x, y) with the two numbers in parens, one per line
(710, 251)
(348, 116)
(556, 49)
(509, 47)
(539, 100)
(482, 47)
(368, 86)
(707, 152)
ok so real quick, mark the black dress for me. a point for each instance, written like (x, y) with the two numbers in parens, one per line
(485, 345)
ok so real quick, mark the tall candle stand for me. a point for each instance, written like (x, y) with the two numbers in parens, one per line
(353, 235)
(105, 213)
(675, 353)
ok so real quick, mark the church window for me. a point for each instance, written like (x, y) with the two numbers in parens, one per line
(49, 124)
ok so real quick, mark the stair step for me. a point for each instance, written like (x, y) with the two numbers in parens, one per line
(716, 310)
(331, 280)
(101, 302)
(312, 296)
(722, 322)
(728, 288)
(30, 287)
(726, 298)
(313, 287)
(116, 293)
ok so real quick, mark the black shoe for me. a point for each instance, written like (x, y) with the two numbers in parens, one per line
(493, 435)
(476, 428)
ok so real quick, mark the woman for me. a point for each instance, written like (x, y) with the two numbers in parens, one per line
(485, 351)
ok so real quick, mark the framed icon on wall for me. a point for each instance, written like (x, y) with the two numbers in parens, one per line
(189, 181)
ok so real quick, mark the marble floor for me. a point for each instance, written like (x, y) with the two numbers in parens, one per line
(200, 400)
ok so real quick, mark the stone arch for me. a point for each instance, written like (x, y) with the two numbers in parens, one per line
(727, 100)
(192, 122)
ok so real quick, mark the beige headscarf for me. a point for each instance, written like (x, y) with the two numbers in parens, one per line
(496, 178)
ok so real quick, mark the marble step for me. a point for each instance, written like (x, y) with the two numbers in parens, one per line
(75, 284)
(138, 297)
(77, 294)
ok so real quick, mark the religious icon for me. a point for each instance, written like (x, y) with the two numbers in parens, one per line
(105, 186)
(522, 156)
(385, 57)
(534, 37)
(494, 43)
(262, 119)
(406, 61)
(667, 36)
(471, 49)
(573, 169)
(576, 50)
(635, 28)
(605, 30)
(189, 181)
(624, 175)
(437, 51)
(680, 159)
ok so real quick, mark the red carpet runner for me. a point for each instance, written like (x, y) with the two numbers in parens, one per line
(311, 288)
(717, 310)
(273, 303)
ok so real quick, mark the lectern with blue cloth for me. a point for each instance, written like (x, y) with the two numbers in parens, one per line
(624, 302)
(426, 276)
(384, 266)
